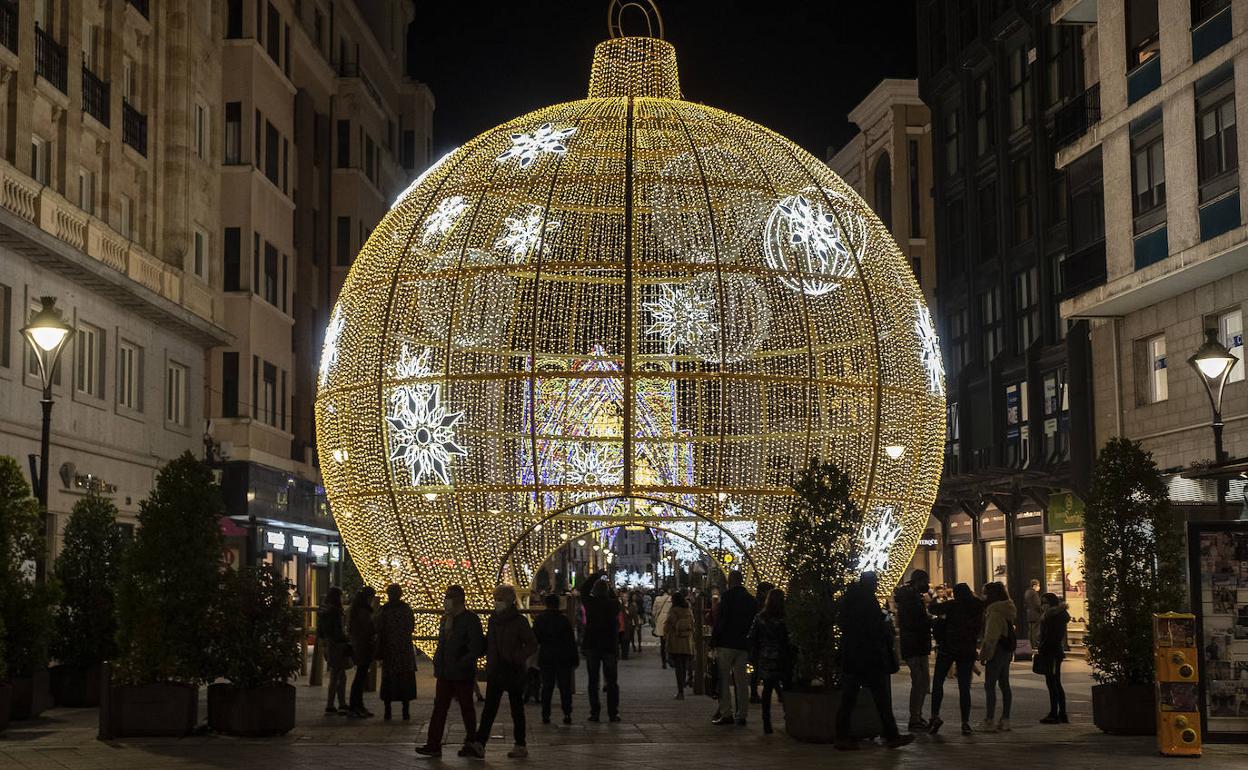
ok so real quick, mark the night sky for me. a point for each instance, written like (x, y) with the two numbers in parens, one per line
(795, 67)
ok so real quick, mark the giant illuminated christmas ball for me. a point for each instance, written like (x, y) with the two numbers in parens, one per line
(628, 310)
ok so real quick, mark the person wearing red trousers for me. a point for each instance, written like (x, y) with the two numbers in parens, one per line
(460, 644)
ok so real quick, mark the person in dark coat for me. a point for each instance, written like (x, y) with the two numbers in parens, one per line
(867, 660)
(363, 634)
(770, 651)
(557, 657)
(509, 643)
(460, 644)
(957, 643)
(395, 625)
(730, 636)
(915, 627)
(1051, 653)
(331, 635)
(764, 590)
(601, 648)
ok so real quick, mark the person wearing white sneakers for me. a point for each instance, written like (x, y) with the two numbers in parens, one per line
(997, 653)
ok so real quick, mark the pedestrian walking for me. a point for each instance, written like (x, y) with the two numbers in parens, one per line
(625, 631)
(1035, 611)
(956, 631)
(509, 643)
(770, 651)
(331, 635)
(915, 631)
(557, 657)
(997, 654)
(662, 605)
(637, 618)
(678, 632)
(730, 636)
(867, 660)
(395, 625)
(363, 634)
(764, 589)
(601, 648)
(460, 644)
(1051, 652)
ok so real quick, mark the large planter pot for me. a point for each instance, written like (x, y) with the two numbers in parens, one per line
(143, 710)
(6, 702)
(75, 686)
(1125, 709)
(268, 710)
(31, 696)
(811, 716)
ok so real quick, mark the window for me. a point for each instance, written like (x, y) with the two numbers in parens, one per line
(1203, 10)
(1059, 64)
(129, 375)
(89, 361)
(199, 262)
(233, 133)
(370, 166)
(273, 44)
(91, 46)
(1155, 359)
(40, 159)
(86, 190)
(269, 395)
(1087, 201)
(1142, 32)
(983, 115)
(955, 257)
(988, 221)
(175, 393)
(255, 387)
(344, 241)
(1026, 309)
(883, 182)
(1060, 325)
(233, 257)
(1021, 178)
(318, 28)
(1056, 409)
(344, 144)
(201, 131)
(255, 263)
(270, 274)
(951, 143)
(125, 216)
(1231, 334)
(957, 342)
(271, 158)
(1216, 148)
(1057, 197)
(938, 24)
(1020, 96)
(968, 21)
(234, 19)
(1017, 429)
(991, 323)
(129, 82)
(255, 141)
(229, 384)
(916, 222)
(1148, 172)
(285, 164)
(6, 325)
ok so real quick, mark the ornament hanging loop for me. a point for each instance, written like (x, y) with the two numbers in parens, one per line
(650, 11)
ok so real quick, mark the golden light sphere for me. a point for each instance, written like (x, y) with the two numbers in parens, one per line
(628, 310)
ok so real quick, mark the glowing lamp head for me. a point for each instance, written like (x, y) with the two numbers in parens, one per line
(894, 451)
(46, 334)
(1212, 359)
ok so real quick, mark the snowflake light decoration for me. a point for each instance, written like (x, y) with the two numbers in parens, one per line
(877, 540)
(591, 466)
(422, 430)
(679, 316)
(929, 352)
(443, 218)
(524, 234)
(546, 139)
(802, 236)
(329, 351)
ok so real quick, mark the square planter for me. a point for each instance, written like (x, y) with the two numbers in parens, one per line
(268, 710)
(6, 701)
(811, 716)
(149, 710)
(1125, 709)
(31, 696)
(75, 686)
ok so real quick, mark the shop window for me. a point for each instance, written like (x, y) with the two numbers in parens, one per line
(1017, 429)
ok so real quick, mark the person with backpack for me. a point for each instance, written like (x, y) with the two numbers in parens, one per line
(956, 630)
(557, 657)
(1051, 652)
(997, 653)
(678, 631)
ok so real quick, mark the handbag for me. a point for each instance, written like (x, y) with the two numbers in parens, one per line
(1040, 664)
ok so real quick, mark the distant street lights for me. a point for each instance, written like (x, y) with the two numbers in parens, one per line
(46, 334)
(1213, 362)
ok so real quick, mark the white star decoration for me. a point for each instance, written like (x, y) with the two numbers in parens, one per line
(929, 352)
(545, 139)
(588, 465)
(422, 430)
(443, 218)
(877, 540)
(523, 234)
(329, 352)
(679, 316)
(797, 225)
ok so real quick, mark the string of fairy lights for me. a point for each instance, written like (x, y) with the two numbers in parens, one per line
(625, 311)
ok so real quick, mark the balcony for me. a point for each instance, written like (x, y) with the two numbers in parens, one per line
(142, 6)
(49, 59)
(354, 70)
(133, 128)
(1077, 117)
(1144, 79)
(8, 25)
(1083, 270)
(95, 94)
(1211, 34)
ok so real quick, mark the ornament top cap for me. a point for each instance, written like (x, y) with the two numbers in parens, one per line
(634, 66)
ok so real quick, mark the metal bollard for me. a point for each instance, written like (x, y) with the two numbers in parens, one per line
(318, 659)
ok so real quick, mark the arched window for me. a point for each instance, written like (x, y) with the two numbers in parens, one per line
(883, 203)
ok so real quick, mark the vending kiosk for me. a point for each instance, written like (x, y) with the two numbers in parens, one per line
(1178, 684)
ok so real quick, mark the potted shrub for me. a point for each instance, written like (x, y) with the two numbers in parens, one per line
(25, 605)
(170, 578)
(86, 621)
(821, 562)
(1133, 562)
(258, 637)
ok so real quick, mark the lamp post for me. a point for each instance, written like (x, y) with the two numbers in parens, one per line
(1213, 362)
(46, 333)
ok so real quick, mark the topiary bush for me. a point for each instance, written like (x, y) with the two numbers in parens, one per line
(25, 606)
(1133, 562)
(87, 570)
(258, 631)
(821, 562)
(171, 580)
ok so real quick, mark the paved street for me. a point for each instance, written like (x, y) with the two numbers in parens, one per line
(656, 732)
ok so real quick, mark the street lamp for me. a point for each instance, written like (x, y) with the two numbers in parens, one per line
(1213, 362)
(46, 334)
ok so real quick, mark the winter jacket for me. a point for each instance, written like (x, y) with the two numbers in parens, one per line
(509, 643)
(395, 624)
(363, 634)
(1053, 632)
(959, 621)
(678, 631)
(770, 651)
(460, 644)
(998, 627)
(866, 639)
(731, 628)
(602, 623)
(332, 635)
(1035, 609)
(556, 641)
(660, 608)
(914, 622)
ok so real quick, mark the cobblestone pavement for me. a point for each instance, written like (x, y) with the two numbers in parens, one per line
(656, 732)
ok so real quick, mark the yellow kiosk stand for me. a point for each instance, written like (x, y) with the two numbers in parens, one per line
(1178, 690)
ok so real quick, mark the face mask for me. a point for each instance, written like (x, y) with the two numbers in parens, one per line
(500, 606)
(447, 604)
